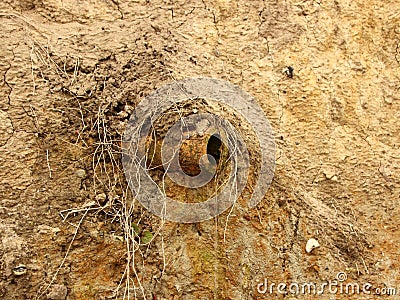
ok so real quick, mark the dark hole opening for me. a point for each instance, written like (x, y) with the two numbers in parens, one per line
(214, 147)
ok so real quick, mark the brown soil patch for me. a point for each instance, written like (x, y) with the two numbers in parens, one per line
(72, 73)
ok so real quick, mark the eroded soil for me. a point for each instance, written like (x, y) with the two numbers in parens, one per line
(72, 73)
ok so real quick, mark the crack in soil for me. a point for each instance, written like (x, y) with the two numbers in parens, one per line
(118, 8)
(5, 77)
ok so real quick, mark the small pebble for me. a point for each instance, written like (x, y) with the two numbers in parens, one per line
(19, 270)
(81, 173)
(288, 71)
(101, 198)
(311, 245)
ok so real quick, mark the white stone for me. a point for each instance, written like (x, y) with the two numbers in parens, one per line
(311, 245)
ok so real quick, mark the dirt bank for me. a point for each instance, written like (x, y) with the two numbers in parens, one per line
(73, 71)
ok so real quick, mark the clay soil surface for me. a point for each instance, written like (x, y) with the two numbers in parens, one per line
(72, 72)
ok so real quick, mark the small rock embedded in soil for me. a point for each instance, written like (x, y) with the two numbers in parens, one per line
(330, 174)
(19, 270)
(288, 71)
(58, 292)
(101, 198)
(80, 173)
(311, 245)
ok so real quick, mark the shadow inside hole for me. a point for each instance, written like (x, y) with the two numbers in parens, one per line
(214, 147)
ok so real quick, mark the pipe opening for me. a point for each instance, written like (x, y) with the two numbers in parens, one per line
(214, 147)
